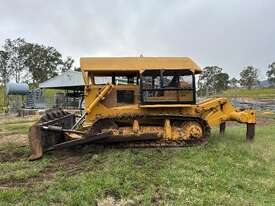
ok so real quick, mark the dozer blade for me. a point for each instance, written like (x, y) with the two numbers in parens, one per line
(41, 139)
(35, 142)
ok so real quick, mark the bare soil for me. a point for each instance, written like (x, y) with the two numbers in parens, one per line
(22, 139)
(64, 160)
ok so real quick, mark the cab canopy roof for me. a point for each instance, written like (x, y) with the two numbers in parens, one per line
(104, 65)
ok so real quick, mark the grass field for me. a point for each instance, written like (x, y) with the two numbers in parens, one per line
(227, 171)
(257, 93)
(21, 128)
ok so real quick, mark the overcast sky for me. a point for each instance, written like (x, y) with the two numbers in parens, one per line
(230, 34)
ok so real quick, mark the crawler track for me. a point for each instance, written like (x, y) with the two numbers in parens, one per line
(125, 142)
(100, 133)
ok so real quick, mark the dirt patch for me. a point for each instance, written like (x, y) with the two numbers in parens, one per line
(64, 160)
(111, 201)
(158, 196)
(13, 147)
(21, 139)
(47, 174)
(69, 161)
(12, 156)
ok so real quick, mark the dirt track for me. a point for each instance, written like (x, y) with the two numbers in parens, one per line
(13, 136)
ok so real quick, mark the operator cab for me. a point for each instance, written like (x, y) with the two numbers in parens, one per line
(126, 87)
(167, 87)
(141, 80)
(150, 86)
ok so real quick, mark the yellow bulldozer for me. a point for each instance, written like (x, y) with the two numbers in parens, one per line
(138, 102)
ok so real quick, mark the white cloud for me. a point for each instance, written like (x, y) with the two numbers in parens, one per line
(230, 34)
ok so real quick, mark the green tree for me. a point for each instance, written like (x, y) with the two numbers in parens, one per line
(67, 64)
(4, 70)
(221, 81)
(249, 77)
(15, 62)
(271, 73)
(42, 62)
(233, 83)
(212, 80)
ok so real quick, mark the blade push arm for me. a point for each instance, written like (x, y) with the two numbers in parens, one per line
(101, 95)
(217, 111)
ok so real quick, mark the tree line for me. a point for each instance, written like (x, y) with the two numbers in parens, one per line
(34, 63)
(214, 80)
(28, 62)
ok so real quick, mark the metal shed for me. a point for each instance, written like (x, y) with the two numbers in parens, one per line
(70, 80)
(73, 85)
